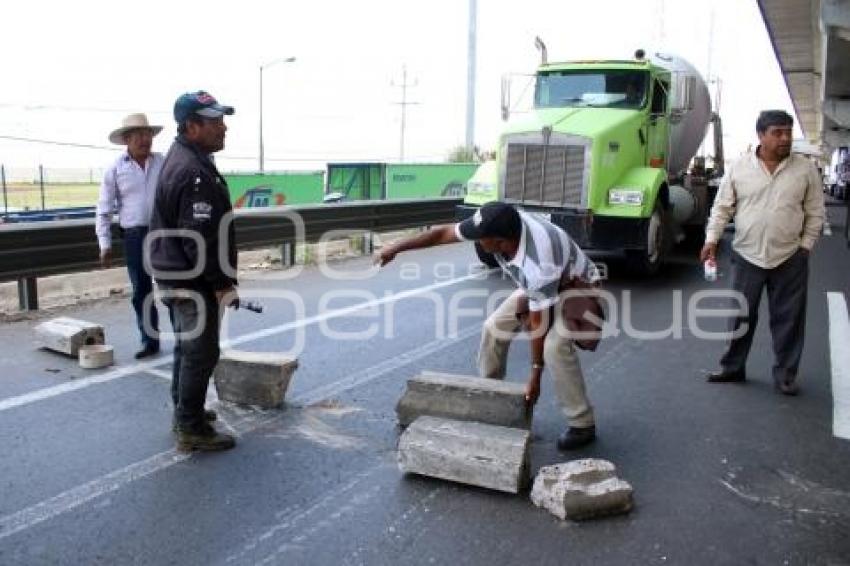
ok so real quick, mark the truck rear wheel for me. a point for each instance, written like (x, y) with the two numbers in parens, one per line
(648, 260)
(485, 257)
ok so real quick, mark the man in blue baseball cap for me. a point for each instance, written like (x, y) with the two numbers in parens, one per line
(192, 197)
(199, 103)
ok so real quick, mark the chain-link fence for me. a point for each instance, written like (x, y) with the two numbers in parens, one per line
(47, 188)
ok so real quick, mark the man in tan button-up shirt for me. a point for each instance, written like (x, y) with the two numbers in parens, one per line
(776, 198)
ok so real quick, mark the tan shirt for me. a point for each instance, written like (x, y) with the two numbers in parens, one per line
(774, 214)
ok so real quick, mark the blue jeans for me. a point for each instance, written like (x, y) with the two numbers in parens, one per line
(142, 283)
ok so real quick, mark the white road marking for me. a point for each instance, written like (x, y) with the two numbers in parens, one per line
(344, 311)
(345, 493)
(113, 481)
(839, 356)
(73, 498)
(76, 385)
(376, 371)
(166, 375)
(26, 518)
(827, 229)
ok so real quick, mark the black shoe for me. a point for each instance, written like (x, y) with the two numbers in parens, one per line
(726, 377)
(209, 416)
(206, 439)
(147, 351)
(787, 387)
(574, 437)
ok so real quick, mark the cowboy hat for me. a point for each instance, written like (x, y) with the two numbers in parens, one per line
(132, 122)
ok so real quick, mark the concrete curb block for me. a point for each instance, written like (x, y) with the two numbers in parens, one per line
(253, 378)
(464, 398)
(483, 455)
(65, 335)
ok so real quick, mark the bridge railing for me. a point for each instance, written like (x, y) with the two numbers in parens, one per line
(37, 249)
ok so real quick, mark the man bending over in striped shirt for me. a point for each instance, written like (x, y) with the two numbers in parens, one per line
(542, 260)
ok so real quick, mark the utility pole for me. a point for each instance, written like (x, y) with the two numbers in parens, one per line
(404, 104)
(710, 79)
(470, 77)
(262, 68)
(662, 32)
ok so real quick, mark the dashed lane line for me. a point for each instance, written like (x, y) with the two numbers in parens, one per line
(75, 497)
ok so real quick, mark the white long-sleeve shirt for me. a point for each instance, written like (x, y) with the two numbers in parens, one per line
(775, 214)
(128, 189)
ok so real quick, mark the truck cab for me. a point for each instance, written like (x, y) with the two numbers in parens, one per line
(604, 154)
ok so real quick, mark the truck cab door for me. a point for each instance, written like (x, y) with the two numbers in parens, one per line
(657, 146)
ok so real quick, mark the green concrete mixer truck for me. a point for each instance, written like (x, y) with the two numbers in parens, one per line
(607, 153)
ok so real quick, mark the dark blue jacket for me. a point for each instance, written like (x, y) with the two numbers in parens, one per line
(192, 195)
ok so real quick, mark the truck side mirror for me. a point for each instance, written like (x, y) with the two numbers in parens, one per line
(506, 97)
(684, 94)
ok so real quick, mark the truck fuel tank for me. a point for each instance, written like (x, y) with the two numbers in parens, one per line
(683, 204)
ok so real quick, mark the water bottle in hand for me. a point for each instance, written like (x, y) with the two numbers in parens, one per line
(710, 269)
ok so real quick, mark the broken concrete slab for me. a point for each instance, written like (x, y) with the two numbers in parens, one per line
(582, 489)
(253, 378)
(65, 335)
(484, 455)
(464, 398)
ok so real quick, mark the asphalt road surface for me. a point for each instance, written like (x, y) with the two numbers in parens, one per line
(723, 474)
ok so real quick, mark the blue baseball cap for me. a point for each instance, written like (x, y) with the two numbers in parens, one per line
(201, 103)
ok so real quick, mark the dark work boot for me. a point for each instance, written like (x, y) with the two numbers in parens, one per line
(209, 416)
(204, 439)
(726, 377)
(787, 387)
(148, 350)
(575, 437)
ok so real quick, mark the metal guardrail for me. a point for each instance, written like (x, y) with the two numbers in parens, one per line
(36, 249)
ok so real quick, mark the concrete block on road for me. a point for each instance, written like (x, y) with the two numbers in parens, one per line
(66, 335)
(464, 398)
(581, 489)
(495, 457)
(253, 378)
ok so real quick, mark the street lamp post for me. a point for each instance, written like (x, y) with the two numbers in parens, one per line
(263, 67)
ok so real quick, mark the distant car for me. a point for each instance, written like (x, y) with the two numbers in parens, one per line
(333, 197)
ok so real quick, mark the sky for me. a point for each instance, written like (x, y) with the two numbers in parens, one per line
(72, 70)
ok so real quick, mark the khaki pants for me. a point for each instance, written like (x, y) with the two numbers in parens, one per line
(559, 356)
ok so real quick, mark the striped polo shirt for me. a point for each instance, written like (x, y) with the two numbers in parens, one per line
(545, 256)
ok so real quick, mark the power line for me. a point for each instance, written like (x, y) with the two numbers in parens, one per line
(404, 104)
(223, 155)
(66, 108)
(62, 143)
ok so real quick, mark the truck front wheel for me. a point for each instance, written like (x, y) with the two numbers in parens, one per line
(485, 257)
(648, 260)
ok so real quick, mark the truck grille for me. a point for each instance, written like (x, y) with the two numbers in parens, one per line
(551, 175)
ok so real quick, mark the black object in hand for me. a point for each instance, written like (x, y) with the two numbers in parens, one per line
(252, 306)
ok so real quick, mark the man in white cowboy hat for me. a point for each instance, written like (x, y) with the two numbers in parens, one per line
(128, 188)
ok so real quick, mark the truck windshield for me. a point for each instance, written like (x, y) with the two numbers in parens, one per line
(598, 88)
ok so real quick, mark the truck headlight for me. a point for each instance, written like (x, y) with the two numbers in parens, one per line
(630, 197)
